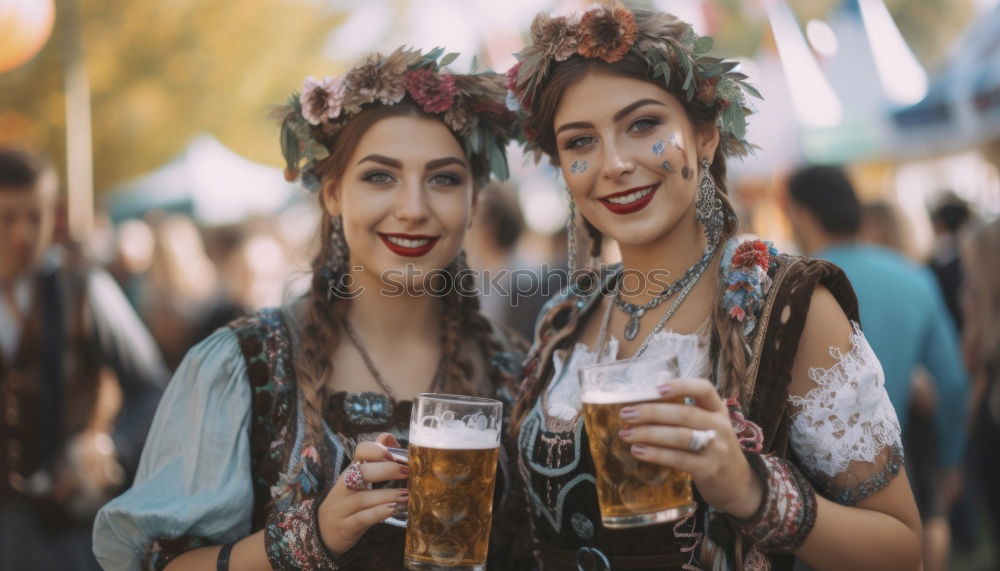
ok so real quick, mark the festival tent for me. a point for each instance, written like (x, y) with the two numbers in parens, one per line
(962, 107)
(207, 181)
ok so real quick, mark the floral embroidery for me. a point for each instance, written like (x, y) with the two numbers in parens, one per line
(292, 539)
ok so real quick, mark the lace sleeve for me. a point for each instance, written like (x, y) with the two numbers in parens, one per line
(844, 431)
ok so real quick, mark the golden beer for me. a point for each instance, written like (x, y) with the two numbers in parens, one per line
(451, 505)
(631, 492)
(454, 448)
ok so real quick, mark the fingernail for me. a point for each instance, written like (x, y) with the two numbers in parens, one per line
(393, 507)
(664, 388)
(404, 470)
(626, 432)
(402, 497)
(638, 449)
(628, 412)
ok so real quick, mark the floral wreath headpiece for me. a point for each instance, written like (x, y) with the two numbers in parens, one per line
(472, 105)
(673, 51)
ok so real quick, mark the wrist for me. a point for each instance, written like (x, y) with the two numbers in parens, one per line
(787, 511)
(750, 502)
(325, 529)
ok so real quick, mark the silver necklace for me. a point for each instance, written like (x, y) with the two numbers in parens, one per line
(353, 336)
(603, 334)
(635, 311)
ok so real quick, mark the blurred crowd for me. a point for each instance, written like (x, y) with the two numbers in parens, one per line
(90, 332)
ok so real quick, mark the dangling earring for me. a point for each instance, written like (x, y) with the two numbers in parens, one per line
(708, 206)
(336, 264)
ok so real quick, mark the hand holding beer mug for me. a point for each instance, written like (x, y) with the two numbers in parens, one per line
(631, 492)
(454, 447)
(352, 505)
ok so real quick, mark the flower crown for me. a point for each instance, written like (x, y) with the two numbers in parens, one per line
(669, 46)
(472, 105)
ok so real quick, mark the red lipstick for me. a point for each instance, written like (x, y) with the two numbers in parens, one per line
(633, 206)
(392, 241)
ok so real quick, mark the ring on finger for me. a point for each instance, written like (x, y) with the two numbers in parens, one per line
(354, 479)
(700, 439)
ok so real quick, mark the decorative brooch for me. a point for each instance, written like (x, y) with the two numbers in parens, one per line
(745, 266)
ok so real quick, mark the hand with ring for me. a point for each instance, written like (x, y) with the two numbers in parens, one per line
(352, 506)
(696, 439)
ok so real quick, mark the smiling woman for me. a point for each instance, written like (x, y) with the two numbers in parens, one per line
(791, 442)
(249, 462)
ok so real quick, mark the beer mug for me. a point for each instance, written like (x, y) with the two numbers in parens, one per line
(630, 492)
(454, 447)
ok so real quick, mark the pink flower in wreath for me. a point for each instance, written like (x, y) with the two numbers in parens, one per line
(321, 100)
(435, 92)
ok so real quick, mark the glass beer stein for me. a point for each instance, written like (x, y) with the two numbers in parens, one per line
(631, 492)
(454, 447)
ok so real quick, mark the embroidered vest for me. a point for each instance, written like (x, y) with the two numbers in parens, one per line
(557, 471)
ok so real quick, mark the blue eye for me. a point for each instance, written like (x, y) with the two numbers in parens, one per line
(377, 177)
(644, 124)
(445, 179)
(578, 142)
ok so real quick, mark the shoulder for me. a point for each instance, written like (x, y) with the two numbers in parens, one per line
(827, 332)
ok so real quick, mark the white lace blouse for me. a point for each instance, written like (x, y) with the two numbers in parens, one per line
(844, 432)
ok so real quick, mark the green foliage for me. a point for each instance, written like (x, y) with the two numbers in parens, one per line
(162, 72)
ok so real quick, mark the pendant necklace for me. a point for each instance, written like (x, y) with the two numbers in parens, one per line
(690, 280)
(635, 311)
(353, 336)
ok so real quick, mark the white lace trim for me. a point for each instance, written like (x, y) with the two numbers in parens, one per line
(848, 416)
(563, 397)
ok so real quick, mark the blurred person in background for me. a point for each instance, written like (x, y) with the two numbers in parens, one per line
(249, 460)
(80, 378)
(980, 302)
(511, 293)
(181, 288)
(904, 317)
(949, 218)
(883, 224)
(132, 257)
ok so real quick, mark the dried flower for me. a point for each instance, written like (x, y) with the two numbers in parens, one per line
(752, 253)
(460, 118)
(607, 32)
(557, 37)
(435, 92)
(321, 100)
(377, 79)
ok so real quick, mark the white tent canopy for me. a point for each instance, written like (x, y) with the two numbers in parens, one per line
(208, 181)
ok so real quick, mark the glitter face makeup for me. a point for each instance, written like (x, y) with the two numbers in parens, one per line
(658, 148)
(579, 167)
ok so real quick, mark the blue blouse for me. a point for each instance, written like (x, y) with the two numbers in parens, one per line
(194, 476)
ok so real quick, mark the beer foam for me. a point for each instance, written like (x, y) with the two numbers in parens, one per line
(616, 397)
(454, 437)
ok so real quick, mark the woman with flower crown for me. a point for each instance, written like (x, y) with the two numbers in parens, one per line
(792, 444)
(248, 464)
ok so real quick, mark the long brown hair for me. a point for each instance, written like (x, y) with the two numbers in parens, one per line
(320, 322)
